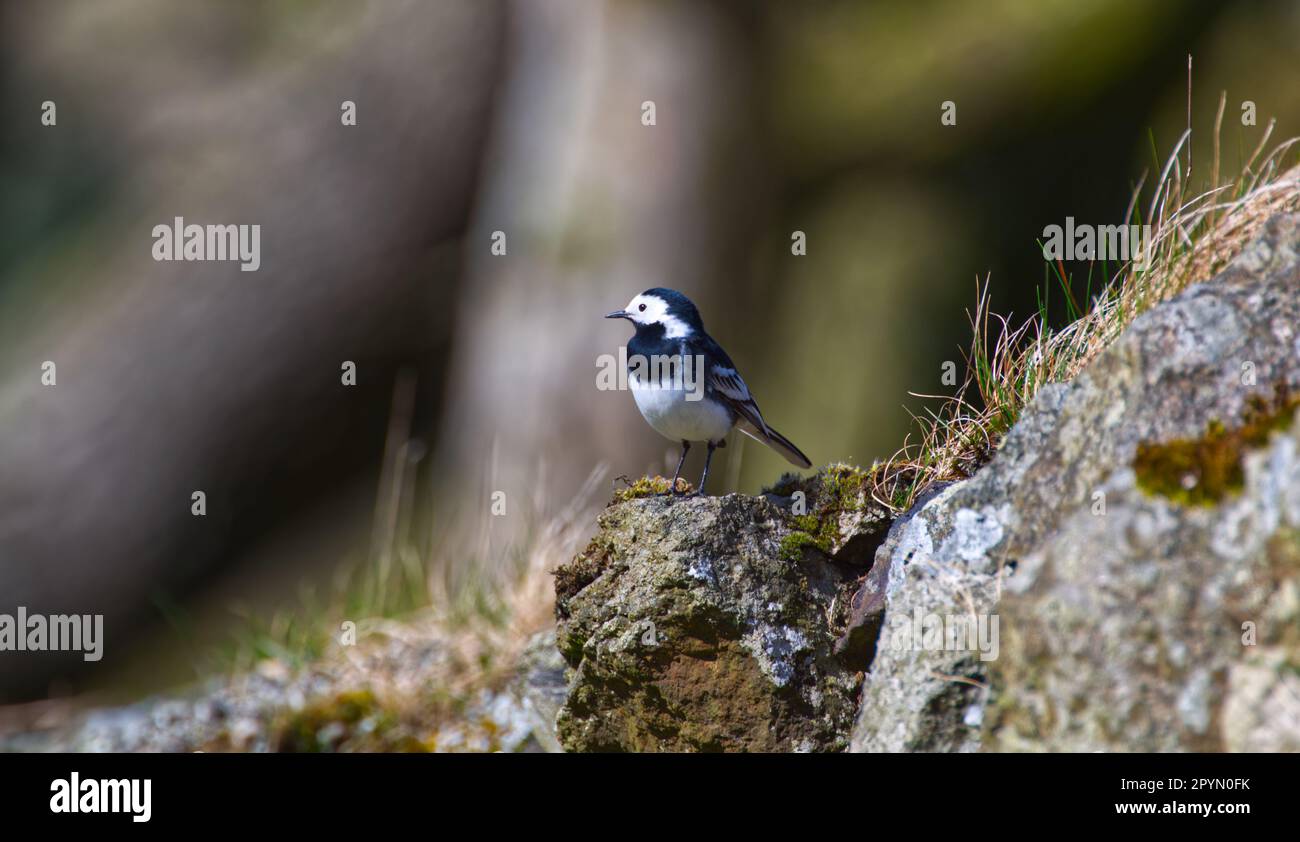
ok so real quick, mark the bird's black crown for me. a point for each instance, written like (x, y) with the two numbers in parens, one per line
(679, 306)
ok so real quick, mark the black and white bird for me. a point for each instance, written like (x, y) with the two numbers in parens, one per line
(667, 325)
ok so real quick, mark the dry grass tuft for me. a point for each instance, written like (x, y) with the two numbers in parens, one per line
(1192, 238)
(477, 605)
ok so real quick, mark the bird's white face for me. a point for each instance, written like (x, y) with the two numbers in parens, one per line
(651, 309)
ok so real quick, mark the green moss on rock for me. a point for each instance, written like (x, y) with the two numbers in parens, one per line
(793, 544)
(649, 487)
(350, 721)
(1203, 471)
(837, 493)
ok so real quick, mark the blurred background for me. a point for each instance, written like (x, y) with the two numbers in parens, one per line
(476, 371)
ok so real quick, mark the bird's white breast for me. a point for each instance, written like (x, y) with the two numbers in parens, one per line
(675, 414)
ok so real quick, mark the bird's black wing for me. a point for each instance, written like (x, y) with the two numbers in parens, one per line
(724, 383)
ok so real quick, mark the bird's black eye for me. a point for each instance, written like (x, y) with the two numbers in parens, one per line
(642, 308)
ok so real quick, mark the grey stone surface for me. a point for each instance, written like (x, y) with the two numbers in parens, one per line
(689, 627)
(1120, 607)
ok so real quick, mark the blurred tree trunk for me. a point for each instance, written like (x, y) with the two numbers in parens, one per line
(181, 377)
(595, 206)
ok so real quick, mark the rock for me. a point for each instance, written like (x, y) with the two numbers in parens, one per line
(707, 624)
(400, 689)
(1134, 526)
(537, 692)
(944, 562)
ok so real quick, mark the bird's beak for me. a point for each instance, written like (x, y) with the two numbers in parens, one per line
(619, 314)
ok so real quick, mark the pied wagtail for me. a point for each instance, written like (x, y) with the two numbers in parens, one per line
(668, 326)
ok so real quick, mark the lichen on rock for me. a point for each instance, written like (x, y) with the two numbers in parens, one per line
(689, 627)
(1121, 535)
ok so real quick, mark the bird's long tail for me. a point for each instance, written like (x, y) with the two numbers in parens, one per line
(777, 442)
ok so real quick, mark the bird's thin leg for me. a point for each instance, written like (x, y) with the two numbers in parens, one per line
(707, 459)
(686, 446)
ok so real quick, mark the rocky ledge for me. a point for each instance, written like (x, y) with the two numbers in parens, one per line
(711, 623)
(1123, 575)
